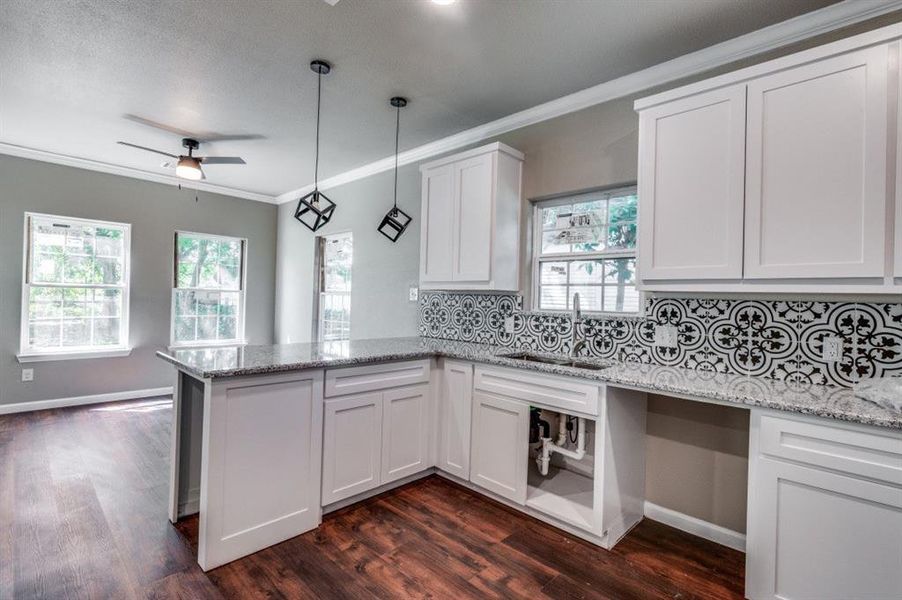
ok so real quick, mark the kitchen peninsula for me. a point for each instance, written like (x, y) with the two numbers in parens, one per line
(250, 454)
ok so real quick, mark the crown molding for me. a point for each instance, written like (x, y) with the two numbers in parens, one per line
(102, 167)
(830, 18)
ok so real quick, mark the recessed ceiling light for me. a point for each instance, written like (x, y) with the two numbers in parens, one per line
(443, 2)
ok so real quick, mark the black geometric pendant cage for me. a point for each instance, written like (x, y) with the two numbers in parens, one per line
(395, 221)
(314, 210)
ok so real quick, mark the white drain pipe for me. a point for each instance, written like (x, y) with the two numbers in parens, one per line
(549, 447)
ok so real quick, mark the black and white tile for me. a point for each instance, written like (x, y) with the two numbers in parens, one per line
(777, 339)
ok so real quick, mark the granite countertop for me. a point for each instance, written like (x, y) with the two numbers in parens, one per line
(823, 401)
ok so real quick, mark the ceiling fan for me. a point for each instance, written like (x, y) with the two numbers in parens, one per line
(188, 165)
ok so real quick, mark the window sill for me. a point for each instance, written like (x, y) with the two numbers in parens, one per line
(29, 357)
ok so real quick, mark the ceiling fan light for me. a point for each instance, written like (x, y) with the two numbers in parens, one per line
(189, 168)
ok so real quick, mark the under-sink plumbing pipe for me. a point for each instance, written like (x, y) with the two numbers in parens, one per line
(549, 447)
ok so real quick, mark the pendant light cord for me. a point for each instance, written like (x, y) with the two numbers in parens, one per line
(397, 137)
(319, 87)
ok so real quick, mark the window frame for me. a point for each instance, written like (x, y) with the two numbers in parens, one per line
(241, 339)
(27, 354)
(538, 258)
(319, 290)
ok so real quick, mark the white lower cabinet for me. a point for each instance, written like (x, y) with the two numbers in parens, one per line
(817, 530)
(454, 418)
(500, 445)
(256, 491)
(379, 435)
(405, 432)
(352, 445)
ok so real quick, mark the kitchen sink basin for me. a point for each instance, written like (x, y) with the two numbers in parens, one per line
(563, 361)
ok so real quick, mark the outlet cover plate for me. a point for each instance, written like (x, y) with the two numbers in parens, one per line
(831, 351)
(508, 324)
(413, 294)
(666, 336)
(27, 374)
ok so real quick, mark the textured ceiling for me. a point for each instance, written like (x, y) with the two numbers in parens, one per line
(73, 71)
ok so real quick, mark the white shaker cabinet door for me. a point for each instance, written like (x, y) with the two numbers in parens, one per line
(405, 431)
(817, 534)
(816, 169)
(258, 490)
(352, 446)
(473, 220)
(691, 164)
(500, 445)
(436, 248)
(455, 409)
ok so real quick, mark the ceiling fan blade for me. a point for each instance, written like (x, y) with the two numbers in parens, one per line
(228, 137)
(158, 125)
(148, 149)
(221, 160)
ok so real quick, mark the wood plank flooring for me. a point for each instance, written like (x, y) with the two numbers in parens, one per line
(83, 515)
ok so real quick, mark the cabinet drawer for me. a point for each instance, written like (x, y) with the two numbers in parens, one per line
(871, 455)
(535, 388)
(351, 380)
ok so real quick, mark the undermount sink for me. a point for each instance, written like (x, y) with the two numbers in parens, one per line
(562, 361)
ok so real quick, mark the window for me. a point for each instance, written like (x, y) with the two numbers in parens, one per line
(208, 296)
(336, 256)
(587, 244)
(75, 290)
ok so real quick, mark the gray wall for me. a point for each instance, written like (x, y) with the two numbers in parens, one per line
(155, 211)
(382, 271)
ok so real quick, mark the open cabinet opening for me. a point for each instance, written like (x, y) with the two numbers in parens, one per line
(566, 489)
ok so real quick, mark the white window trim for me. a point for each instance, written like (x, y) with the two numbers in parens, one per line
(537, 259)
(32, 355)
(320, 265)
(241, 340)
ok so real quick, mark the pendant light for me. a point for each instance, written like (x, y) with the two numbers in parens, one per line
(395, 220)
(315, 209)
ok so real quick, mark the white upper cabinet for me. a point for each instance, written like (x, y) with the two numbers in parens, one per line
(816, 169)
(691, 187)
(470, 236)
(471, 259)
(438, 206)
(777, 177)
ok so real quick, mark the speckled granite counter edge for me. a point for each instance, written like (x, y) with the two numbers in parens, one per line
(758, 392)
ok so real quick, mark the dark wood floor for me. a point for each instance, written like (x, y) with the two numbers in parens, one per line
(83, 515)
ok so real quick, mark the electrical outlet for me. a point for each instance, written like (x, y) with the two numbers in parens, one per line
(413, 294)
(508, 324)
(27, 374)
(666, 336)
(831, 351)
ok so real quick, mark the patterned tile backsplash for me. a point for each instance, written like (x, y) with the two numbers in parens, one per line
(779, 339)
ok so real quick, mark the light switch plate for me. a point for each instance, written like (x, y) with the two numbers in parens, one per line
(666, 336)
(413, 294)
(27, 374)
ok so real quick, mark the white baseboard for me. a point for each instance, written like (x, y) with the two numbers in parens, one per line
(18, 407)
(703, 529)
